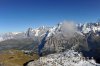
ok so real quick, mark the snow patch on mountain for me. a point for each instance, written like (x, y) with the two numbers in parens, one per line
(51, 31)
(88, 27)
(36, 32)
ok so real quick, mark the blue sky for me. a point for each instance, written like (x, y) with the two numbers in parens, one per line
(18, 15)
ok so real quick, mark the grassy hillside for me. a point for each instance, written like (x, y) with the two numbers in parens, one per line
(15, 58)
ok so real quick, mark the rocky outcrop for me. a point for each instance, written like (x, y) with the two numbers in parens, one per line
(67, 58)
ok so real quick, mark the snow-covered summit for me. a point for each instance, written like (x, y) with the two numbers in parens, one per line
(88, 27)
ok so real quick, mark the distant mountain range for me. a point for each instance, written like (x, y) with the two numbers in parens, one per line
(38, 32)
(83, 38)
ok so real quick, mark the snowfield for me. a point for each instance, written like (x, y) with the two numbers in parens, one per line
(67, 58)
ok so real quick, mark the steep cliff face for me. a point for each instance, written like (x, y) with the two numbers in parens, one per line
(60, 43)
(93, 42)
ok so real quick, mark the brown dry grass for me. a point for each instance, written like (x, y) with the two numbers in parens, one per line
(15, 58)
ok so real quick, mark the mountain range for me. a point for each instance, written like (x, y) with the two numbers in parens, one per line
(83, 38)
(38, 32)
